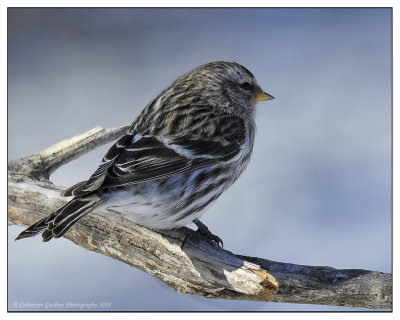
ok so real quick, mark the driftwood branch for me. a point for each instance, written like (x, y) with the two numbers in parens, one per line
(41, 165)
(199, 268)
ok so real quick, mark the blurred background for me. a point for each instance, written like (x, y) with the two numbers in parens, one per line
(317, 190)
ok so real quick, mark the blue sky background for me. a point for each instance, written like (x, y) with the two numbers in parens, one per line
(318, 188)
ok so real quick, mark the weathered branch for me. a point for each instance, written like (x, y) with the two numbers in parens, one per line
(41, 165)
(200, 268)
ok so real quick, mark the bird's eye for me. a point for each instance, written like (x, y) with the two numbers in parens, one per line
(246, 86)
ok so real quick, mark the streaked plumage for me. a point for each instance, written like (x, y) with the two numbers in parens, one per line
(185, 148)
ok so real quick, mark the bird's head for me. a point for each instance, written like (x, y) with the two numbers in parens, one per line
(226, 86)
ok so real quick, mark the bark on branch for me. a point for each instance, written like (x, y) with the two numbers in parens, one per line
(200, 268)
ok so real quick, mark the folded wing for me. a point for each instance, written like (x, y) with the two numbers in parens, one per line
(137, 158)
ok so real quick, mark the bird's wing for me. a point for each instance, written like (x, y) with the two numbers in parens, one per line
(137, 158)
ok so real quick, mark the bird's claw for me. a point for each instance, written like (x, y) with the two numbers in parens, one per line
(205, 233)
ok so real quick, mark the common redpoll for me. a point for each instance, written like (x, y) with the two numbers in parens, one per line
(186, 147)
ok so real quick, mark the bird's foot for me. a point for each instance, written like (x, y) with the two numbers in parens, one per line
(203, 232)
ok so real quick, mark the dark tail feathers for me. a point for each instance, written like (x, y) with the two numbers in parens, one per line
(58, 223)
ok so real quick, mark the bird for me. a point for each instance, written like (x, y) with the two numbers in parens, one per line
(187, 146)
